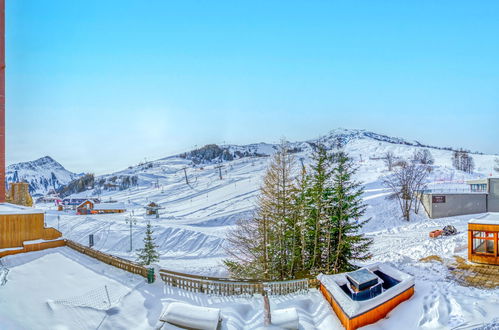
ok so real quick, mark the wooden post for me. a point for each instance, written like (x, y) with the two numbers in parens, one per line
(267, 318)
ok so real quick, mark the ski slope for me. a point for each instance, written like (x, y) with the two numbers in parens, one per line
(197, 216)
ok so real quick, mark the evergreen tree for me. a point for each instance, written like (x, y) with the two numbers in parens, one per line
(318, 201)
(347, 243)
(301, 255)
(148, 254)
(302, 225)
(271, 250)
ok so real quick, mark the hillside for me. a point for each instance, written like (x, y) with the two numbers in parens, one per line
(198, 213)
(43, 175)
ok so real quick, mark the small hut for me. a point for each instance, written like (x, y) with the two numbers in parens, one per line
(85, 208)
(152, 209)
(483, 239)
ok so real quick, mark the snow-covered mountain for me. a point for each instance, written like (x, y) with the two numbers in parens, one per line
(199, 207)
(365, 147)
(335, 139)
(43, 175)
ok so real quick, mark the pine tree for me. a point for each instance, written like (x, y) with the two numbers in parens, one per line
(148, 254)
(302, 221)
(318, 202)
(347, 243)
(270, 249)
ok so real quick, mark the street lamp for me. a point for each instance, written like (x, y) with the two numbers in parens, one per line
(131, 220)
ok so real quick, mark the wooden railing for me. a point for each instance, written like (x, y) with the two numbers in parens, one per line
(203, 284)
(124, 264)
(231, 287)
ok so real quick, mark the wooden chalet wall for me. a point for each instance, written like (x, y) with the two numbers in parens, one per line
(15, 229)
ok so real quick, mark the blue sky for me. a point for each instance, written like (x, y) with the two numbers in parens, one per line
(100, 85)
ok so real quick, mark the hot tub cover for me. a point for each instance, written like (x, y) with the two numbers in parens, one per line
(354, 308)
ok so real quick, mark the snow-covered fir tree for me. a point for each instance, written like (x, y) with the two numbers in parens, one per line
(317, 203)
(148, 254)
(304, 225)
(346, 243)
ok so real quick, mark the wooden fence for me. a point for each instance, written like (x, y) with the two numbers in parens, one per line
(202, 284)
(33, 247)
(231, 287)
(124, 264)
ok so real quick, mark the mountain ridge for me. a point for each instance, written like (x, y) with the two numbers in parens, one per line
(43, 175)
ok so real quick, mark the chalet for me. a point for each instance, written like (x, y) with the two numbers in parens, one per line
(73, 203)
(103, 208)
(89, 206)
(483, 239)
(152, 209)
(85, 207)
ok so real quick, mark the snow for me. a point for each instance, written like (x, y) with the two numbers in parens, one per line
(11, 249)
(43, 175)
(109, 206)
(491, 218)
(37, 241)
(191, 233)
(62, 289)
(191, 316)
(7, 208)
(285, 318)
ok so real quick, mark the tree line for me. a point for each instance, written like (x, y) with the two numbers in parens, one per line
(303, 224)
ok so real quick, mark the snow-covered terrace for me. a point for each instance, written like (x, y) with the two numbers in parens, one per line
(62, 289)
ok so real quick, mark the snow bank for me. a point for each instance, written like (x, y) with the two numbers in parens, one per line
(285, 318)
(190, 316)
(11, 209)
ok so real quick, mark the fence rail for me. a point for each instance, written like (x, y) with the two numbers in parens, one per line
(203, 284)
(124, 264)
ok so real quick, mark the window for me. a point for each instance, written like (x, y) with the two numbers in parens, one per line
(481, 187)
(483, 242)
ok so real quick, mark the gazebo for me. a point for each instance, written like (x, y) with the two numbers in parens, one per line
(152, 209)
(483, 239)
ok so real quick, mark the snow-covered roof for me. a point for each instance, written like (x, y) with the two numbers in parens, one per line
(85, 202)
(153, 206)
(478, 181)
(109, 206)
(7, 208)
(353, 308)
(491, 218)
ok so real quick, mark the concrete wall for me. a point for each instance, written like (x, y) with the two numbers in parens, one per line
(493, 197)
(455, 204)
